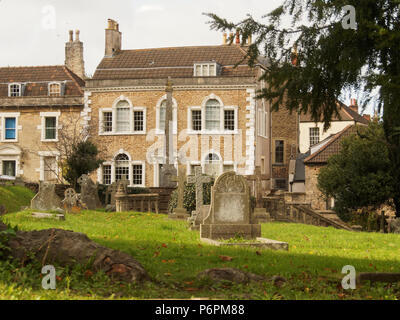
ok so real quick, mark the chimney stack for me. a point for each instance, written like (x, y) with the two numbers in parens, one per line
(225, 38)
(113, 38)
(74, 55)
(237, 36)
(354, 105)
(295, 56)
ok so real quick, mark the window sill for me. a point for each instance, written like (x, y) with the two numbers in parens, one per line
(9, 141)
(211, 132)
(50, 140)
(123, 134)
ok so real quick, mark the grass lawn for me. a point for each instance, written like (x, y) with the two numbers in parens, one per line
(15, 197)
(173, 256)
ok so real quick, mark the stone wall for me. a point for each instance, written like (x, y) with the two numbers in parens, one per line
(313, 195)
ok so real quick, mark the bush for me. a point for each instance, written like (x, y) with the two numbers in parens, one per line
(368, 219)
(189, 197)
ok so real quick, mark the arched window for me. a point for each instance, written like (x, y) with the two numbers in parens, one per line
(212, 164)
(121, 167)
(123, 117)
(213, 115)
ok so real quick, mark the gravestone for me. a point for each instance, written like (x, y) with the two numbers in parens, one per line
(46, 199)
(72, 202)
(230, 213)
(110, 194)
(89, 193)
(180, 212)
(197, 218)
(260, 213)
(199, 180)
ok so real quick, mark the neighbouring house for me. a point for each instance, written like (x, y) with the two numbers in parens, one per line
(35, 102)
(317, 158)
(312, 133)
(218, 123)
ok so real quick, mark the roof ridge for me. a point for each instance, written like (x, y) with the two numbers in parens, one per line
(183, 47)
(20, 67)
(335, 138)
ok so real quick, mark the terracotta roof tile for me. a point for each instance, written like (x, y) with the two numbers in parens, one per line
(175, 62)
(332, 147)
(37, 79)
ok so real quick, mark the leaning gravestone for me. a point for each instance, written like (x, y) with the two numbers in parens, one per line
(89, 193)
(230, 213)
(46, 199)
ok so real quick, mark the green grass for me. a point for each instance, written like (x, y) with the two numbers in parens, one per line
(15, 197)
(173, 256)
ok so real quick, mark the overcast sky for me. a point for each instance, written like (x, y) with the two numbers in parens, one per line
(34, 32)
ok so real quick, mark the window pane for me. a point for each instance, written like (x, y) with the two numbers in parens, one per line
(51, 126)
(122, 167)
(55, 90)
(205, 70)
(123, 123)
(107, 122)
(10, 128)
(138, 121)
(9, 168)
(198, 70)
(314, 136)
(212, 70)
(229, 120)
(196, 120)
(138, 174)
(212, 115)
(279, 151)
(107, 175)
(50, 168)
(15, 90)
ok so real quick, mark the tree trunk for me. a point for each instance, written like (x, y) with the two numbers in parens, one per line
(64, 248)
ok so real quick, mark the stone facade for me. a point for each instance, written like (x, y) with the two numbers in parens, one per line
(313, 195)
(285, 127)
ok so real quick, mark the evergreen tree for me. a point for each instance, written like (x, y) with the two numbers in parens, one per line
(331, 55)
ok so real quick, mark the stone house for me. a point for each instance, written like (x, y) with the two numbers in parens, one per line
(318, 158)
(217, 122)
(311, 133)
(35, 102)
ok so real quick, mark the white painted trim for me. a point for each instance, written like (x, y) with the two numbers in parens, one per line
(42, 127)
(5, 115)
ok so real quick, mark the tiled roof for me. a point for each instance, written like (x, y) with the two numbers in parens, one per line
(332, 147)
(38, 78)
(345, 112)
(176, 62)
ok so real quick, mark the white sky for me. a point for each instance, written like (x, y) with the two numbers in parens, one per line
(34, 32)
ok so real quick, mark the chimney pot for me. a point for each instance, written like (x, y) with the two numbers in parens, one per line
(250, 40)
(71, 36)
(354, 105)
(74, 55)
(77, 33)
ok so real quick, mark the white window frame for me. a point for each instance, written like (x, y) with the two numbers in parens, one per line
(206, 64)
(174, 116)
(42, 127)
(132, 109)
(311, 137)
(47, 154)
(59, 86)
(221, 130)
(143, 164)
(15, 84)
(3, 117)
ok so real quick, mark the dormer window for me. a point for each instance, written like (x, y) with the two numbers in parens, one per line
(54, 89)
(206, 69)
(15, 90)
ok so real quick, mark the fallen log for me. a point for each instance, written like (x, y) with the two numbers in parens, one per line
(67, 248)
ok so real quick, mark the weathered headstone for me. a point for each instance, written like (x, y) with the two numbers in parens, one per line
(260, 213)
(199, 180)
(110, 194)
(46, 199)
(89, 193)
(39, 215)
(180, 212)
(230, 214)
(71, 202)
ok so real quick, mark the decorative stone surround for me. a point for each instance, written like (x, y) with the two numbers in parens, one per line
(250, 132)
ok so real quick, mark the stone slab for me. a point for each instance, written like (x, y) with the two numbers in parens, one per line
(262, 243)
(179, 214)
(228, 231)
(39, 215)
(378, 277)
